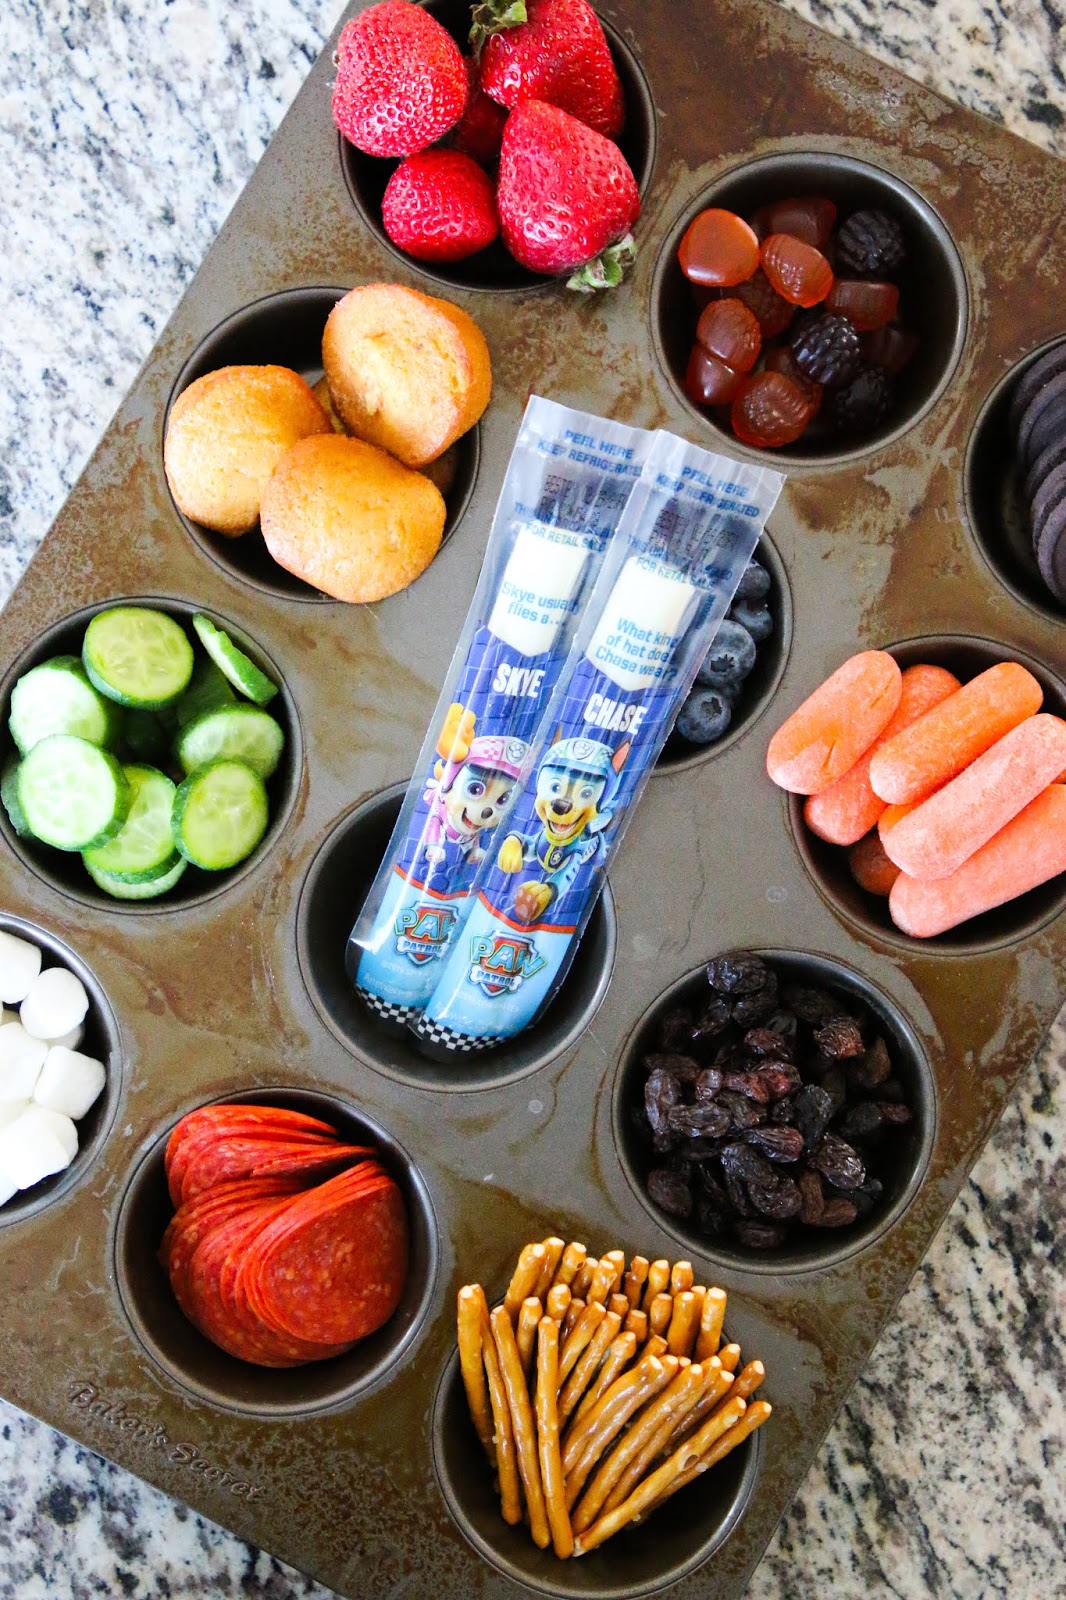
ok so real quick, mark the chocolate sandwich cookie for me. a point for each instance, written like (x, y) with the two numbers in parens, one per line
(1051, 551)
(1043, 420)
(1043, 369)
(1046, 462)
(1047, 497)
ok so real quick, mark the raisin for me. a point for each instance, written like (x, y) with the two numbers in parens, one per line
(675, 1028)
(837, 1213)
(662, 1093)
(744, 1113)
(778, 1144)
(809, 1004)
(891, 1090)
(813, 1110)
(713, 1020)
(839, 1038)
(710, 1120)
(671, 1191)
(777, 1197)
(759, 1235)
(895, 1113)
(711, 1220)
(783, 1023)
(681, 1067)
(751, 1008)
(708, 1083)
(866, 1196)
(864, 403)
(737, 1194)
(781, 1078)
(783, 1111)
(860, 1121)
(828, 351)
(838, 1162)
(812, 1197)
(870, 244)
(763, 1041)
(873, 1068)
(739, 973)
(836, 1087)
(751, 1084)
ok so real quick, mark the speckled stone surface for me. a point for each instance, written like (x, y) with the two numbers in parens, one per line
(127, 128)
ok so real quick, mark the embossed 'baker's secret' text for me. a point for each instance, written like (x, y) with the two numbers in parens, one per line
(88, 1397)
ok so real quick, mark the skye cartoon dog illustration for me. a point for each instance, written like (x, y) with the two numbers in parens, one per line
(471, 787)
(574, 777)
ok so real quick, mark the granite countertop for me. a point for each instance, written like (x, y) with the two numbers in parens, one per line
(127, 131)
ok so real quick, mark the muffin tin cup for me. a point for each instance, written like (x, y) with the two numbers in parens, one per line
(104, 1042)
(672, 1543)
(332, 896)
(996, 517)
(495, 269)
(204, 1370)
(62, 869)
(285, 330)
(827, 864)
(901, 1164)
(934, 294)
(679, 754)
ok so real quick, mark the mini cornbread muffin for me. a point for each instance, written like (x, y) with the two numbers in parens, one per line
(225, 435)
(407, 372)
(350, 520)
(443, 470)
(320, 390)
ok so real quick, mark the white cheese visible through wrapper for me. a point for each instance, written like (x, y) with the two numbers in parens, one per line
(537, 589)
(642, 623)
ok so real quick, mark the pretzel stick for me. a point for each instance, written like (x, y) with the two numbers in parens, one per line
(583, 1277)
(665, 1409)
(619, 1305)
(729, 1356)
(681, 1334)
(603, 1276)
(525, 1438)
(682, 1277)
(654, 1345)
(716, 1383)
(503, 1433)
(579, 1337)
(617, 1258)
(473, 1320)
(659, 1313)
(529, 1316)
(613, 1417)
(710, 1335)
(659, 1483)
(588, 1361)
(573, 1311)
(637, 1322)
(558, 1301)
(524, 1280)
(573, 1259)
(701, 1294)
(747, 1381)
(551, 1465)
(753, 1418)
(668, 1435)
(631, 1384)
(657, 1280)
(619, 1355)
(553, 1251)
(634, 1280)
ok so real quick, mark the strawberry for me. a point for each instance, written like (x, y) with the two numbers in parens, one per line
(566, 197)
(553, 50)
(480, 128)
(439, 206)
(401, 83)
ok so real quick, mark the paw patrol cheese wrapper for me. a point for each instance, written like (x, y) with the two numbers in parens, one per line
(687, 535)
(568, 480)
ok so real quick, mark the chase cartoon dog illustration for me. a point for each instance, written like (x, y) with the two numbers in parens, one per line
(574, 778)
(470, 790)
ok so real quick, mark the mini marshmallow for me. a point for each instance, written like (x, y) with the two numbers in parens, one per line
(72, 1039)
(21, 1060)
(36, 1145)
(20, 962)
(9, 1110)
(69, 1082)
(56, 1003)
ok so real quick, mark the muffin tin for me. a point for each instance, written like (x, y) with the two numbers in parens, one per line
(368, 1477)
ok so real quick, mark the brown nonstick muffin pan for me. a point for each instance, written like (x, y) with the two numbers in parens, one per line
(364, 1471)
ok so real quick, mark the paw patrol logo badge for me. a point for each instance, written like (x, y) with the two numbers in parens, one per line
(423, 931)
(501, 962)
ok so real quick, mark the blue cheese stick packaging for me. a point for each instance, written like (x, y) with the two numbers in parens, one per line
(686, 536)
(568, 480)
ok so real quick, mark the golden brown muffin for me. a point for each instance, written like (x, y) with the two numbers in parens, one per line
(320, 390)
(407, 372)
(225, 435)
(350, 520)
(442, 471)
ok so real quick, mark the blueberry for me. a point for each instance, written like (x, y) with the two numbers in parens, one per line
(754, 582)
(757, 619)
(704, 717)
(731, 656)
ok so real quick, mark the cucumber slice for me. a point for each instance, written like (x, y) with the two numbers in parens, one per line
(9, 795)
(57, 697)
(143, 848)
(73, 794)
(151, 889)
(220, 814)
(144, 739)
(238, 668)
(207, 691)
(237, 733)
(137, 656)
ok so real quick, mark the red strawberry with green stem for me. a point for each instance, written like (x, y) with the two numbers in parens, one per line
(439, 206)
(553, 50)
(401, 80)
(566, 197)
